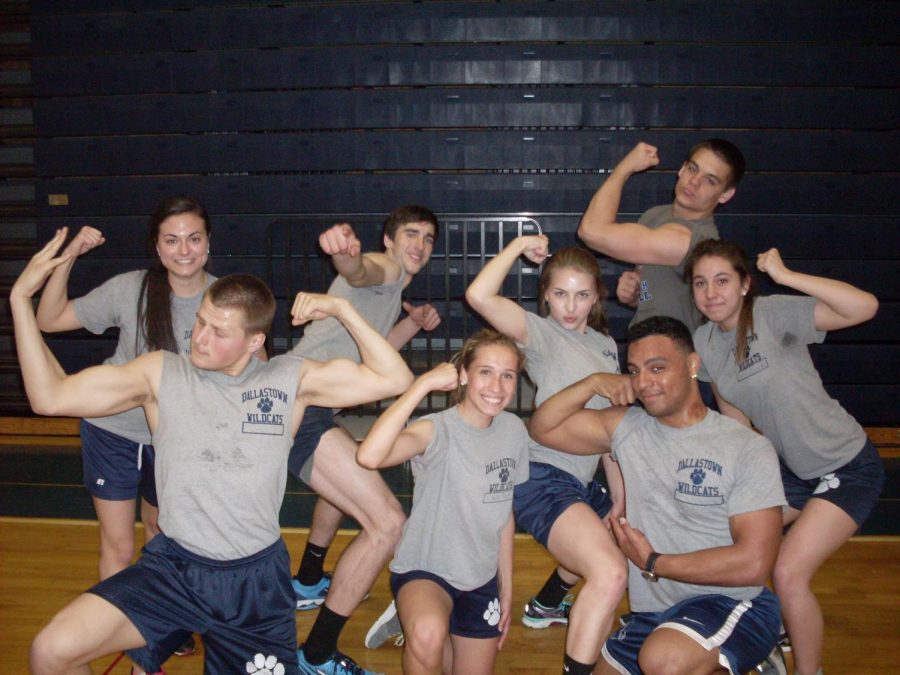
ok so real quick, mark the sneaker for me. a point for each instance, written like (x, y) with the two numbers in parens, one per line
(784, 642)
(538, 616)
(385, 627)
(310, 597)
(187, 648)
(774, 663)
(338, 664)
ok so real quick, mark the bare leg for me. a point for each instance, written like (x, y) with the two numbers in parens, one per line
(325, 523)
(821, 529)
(670, 651)
(424, 609)
(86, 629)
(363, 495)
(116, 535)
(582, 544)
(473, 656)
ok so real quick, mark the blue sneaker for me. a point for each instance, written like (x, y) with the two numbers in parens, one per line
(338, 664)
(310, 597)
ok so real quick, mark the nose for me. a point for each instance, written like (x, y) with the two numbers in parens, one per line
(183, 246)
(570, 303)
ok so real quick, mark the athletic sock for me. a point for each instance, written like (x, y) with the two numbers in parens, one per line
(322, 640)
(312, 564)
(554, 590)
(573, 667)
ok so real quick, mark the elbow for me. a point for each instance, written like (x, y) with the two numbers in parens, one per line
(870, 307)
(757, 570)
(592, 236)
(401, 381)
(365, 461)
(474, 297)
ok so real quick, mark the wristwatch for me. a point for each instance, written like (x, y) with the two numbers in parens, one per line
(648, 572)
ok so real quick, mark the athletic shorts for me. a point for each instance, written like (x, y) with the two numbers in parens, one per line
(115, 468)
(244, 609)
(475, 613)
(744, 631)
(549, 491)
(854, 487)
(316, 421)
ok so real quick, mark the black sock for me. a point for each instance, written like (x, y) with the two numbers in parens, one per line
(312, 564)
(321, 642)
(554, 590)
(573, 667)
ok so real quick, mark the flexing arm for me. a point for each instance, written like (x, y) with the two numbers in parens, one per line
(103, 390)
(630, 242)
(359, 269)
(389, 442)
(341, 383)
(424, 317)
(562, 422)
(746, 562)
(56, 312)
(483, 294)
(839, 305)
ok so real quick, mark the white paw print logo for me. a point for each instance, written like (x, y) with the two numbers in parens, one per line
(265, 665)
(827, 482)
(492, 613)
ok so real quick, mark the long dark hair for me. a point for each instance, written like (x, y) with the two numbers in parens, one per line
(582, 260)
(154, 304)
(734, 255)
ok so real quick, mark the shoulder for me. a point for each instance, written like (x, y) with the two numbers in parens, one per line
(391, 268)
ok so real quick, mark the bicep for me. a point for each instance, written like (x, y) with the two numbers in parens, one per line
(66, 320)
(108, 390)
(583, 433)
(411, 442)
(506, 316)
(641, 245)
(339, 383)
(758, 530)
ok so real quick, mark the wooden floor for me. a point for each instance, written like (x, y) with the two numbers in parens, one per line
(46, 563)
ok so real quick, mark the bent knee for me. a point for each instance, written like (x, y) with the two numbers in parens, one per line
(52, 652)
(426, 638)
(788, 577)
(608, 579)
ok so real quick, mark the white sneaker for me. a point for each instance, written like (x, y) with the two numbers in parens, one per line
(385, 627)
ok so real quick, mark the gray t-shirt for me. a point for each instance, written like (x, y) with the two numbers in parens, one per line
(682, 486)
(222, 445)
(114, 304)
(556, 358)
(777, 386)
(663, 291)
(379, 305)
(462, 498)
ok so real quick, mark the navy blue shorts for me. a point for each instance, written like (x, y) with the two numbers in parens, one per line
(115, 468)
(316, 421)
(854, 488)
(475, 614)
(244, 609)
(744, 631)
(549, 491)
